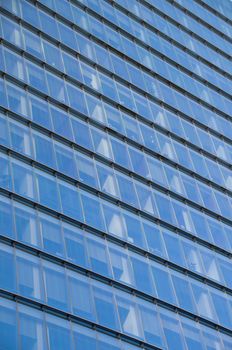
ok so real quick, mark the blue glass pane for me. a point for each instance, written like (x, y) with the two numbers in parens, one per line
(61, 123)
(105, 308)
(92, 212)
(26, 224)
(51, 235)
(40, 112)
(55, 286)
(7, 269)
(8, 326)
(59, 336)
(32, 333)
(81, 297)
(70, 201)
(48, 191)
(75, 245)
(163, 284)
(6, 218)
(172, 333)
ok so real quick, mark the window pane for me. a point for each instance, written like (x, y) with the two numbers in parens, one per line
(129, 317)
(57, 88)
(142, 275)
(65, 160)
(114, 221)
(20, 138)
(6, 218)
(172, 331)
(134, 230)
(151, 324)
(203, 301)
(51, 235)
(154, 239)
(55, 286)
(11, 32)
(139, 163)
(47, 190)
(82, 134)
(59, 333)
(165, 208)
(146, 199)
(4, 132)
(84, 338)
(36, 76)
(67, 36)
(76, 99)
(70, 200)
(75, 245)
(61, 123)
(23, 180)
(48, 24)
(17, 99)
(86, 169)
(72, 66)
(173, 247)
(44, 149)
(5, 176)
(163, 284)
(92, 211)
(101, 143)
(7, 268)
(192, 256)
(121, 265)
(222, 308)
(8, 325)
(120, 153)
(192, 334)
(183, 293)
(53, 55)
(127, 190)
(105, 307)
(30, 13)
(81, 296)
(33, 44)
(98, 256)
(107, 180)
(31, 329)
(40, 112)
(29, 276)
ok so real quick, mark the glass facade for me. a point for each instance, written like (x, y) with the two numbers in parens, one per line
(115, 175)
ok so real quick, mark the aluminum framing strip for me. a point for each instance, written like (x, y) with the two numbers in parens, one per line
(73, 145)
(93, 92)
(120, 243)
(90, 154)
(142, 179)
(146, 70)
(134, 39)
(111, 132)
(113, 200)
(117, 134)
(112, 283)
(214, 11)
(58, 73)
(196, 36)
(157, 53)
(76, 319)
(164, 35)
(74, 26)
(200, 20)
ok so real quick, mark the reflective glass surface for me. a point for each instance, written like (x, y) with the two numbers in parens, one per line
(115, 175)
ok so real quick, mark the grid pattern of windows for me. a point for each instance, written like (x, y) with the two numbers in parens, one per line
(115, 180)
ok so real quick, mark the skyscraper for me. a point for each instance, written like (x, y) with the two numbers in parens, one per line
(115, 175)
